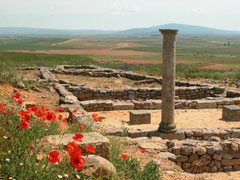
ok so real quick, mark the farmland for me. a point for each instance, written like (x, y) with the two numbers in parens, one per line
(197, 56)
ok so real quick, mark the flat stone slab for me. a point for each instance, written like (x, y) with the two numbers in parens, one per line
(101, 143)
(123, 105)
(205, 104)
(140, 117)
(231, 113)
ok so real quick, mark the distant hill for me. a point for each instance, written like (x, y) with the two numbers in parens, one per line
(39, 31)
(183, 29)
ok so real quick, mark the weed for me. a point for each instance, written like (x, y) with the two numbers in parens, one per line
(130, 168)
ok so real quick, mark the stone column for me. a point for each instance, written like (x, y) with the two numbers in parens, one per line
(167, 124)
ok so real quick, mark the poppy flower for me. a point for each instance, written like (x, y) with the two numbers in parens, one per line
(64, 120)
(44, 109)
(54, 157)
(81, 127)
(19, 101)
(75, 150)
(83, 113)
(60, 117)
(123, 156)
(33, 109)
(77, 161)
(142, 150)
(17, 96)
(50, 116)
(31, 147)
(75, 110)
(90, 149)
(25, 124)
(78, 137)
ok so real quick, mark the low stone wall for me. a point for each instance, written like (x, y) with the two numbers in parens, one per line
(152, 104)
(86, 93)
(181, 133)
(96, 71)
(232, 94)
(206, 156)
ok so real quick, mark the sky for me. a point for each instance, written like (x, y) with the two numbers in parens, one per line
(118, 14)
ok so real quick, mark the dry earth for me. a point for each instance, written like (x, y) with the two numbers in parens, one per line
(189, 118)
(97, 82)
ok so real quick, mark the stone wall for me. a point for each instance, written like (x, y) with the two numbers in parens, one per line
(153, 104)
(232, 94)
(95, 71)
(87, 93)
(206, 156)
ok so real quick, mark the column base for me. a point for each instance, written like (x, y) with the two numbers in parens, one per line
(167, 127)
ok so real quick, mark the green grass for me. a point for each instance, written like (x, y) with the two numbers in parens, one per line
(131, 168)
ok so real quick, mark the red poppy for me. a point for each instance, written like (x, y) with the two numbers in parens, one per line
(75, 110)
(78, 137)
(77, 161)
(25, 124)
(44, 109)
(17, 96)
(83, 113)
(75, 150)
(31, 147)
(60, 117)
(81, 127)
(142, 150)
(50, 116)
(94, 114)
(33, 109)
(54, 157)
(2, 107)
(64, 120)
(123, 156)
(90, 149)
(12, 108)
(19, 101)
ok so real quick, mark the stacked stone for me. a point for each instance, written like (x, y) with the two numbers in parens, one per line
(90, 70)
(232, 94)
(87, 93)
(46, 74)
(181, 134)
(206, 156)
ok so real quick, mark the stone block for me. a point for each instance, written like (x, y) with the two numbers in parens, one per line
(140, 117)
(231, 113)
(101, 143)
(202, 104)
(123, 106)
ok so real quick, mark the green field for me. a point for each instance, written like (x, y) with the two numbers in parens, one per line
(198, 50)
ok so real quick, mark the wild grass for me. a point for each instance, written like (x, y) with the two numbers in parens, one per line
(131, 168)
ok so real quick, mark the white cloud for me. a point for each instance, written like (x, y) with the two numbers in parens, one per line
(123, 7)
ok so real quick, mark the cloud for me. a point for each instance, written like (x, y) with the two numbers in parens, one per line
(124, 7)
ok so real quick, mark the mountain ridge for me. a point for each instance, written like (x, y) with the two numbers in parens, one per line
(148, 31)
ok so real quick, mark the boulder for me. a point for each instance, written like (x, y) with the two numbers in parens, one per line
(98, 166)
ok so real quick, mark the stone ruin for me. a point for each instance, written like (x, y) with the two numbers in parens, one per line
(194, 150)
